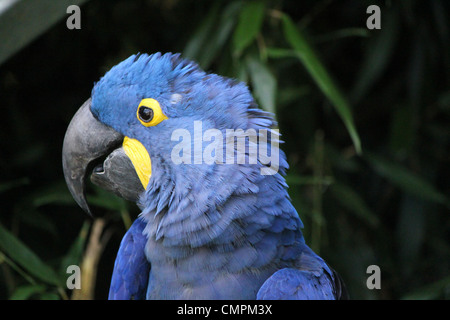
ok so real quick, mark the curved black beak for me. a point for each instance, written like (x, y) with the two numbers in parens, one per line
(88, 140)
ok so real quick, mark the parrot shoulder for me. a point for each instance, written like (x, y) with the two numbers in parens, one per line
(310, 279)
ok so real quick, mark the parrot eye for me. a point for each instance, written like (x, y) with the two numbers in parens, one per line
(145, 114)
(149, 112)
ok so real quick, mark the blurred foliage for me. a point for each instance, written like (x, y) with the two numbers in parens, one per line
(365, 116)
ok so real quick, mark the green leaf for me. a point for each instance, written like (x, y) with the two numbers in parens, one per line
(320, 75)
(379, 50)
(342, 33)
(106, 200)
(26, 258)
(37, 220)
(5, 186)
(263, 82)
(433, 291)
(402, 130)
(340, 160)
(56, 194)
(25, 292)
(443, 101)
(249, 25)
(280, 53)
(290, 94)
(50, 296)
(406, 180)
(28, 24)
(75, 253)
(351, 200)
(193, 48)
(299, 180)
(212, 35)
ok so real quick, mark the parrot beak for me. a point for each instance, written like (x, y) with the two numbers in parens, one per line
(86, 144)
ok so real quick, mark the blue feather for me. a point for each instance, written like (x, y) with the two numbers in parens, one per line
(131, 269)
(312, 281)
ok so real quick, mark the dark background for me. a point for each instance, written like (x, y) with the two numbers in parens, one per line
(388, 206)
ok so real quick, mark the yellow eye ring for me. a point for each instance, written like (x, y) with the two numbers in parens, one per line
(149, 112)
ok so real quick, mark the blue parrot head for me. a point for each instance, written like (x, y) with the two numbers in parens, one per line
(149, 115)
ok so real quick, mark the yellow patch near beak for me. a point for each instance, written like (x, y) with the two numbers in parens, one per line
(140, 159)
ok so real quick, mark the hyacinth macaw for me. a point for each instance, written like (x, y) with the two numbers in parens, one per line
(220, 230)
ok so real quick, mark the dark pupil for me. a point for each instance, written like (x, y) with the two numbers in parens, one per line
(146, 114)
